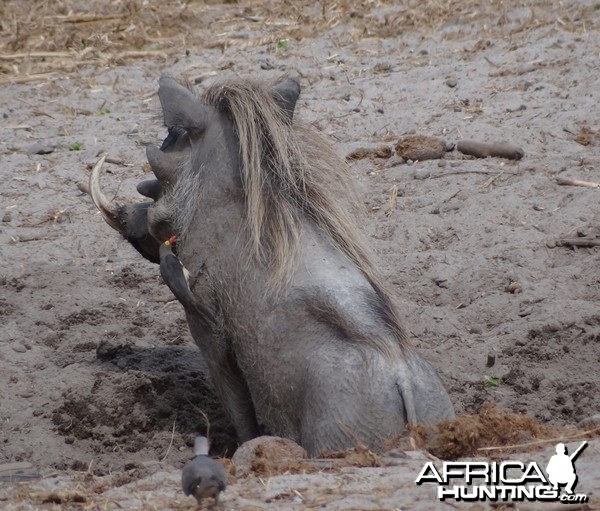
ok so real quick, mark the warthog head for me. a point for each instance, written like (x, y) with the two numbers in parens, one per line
(196, 134)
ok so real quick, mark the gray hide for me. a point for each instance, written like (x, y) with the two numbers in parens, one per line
(296, 363)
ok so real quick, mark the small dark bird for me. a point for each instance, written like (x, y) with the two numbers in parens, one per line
(203, 477)
(174, 273)
(176, 276)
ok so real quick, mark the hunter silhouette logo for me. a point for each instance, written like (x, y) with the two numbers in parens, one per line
(471, 481)
(561, 468)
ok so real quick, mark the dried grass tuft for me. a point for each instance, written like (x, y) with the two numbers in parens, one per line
(38, 37)
(491, 430)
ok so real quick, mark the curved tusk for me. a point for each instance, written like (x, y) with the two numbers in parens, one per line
(109, 210)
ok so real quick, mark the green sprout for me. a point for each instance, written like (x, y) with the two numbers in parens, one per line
(491, 381)
(282, 44)
(104, 110)
(75, 146)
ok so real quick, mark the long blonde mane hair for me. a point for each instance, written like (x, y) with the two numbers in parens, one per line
(289, 171)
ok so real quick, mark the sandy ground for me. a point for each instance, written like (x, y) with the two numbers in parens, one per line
(97, 370)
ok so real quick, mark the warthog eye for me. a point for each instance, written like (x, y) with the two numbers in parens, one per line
(175, 132)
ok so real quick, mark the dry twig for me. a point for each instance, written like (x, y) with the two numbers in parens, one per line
(392, 201)
(563, 181)
(578, 242)
(542, 442)
(459, 172)
(27, 78)
(171, 442)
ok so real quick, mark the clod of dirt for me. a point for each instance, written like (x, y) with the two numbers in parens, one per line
(513, 287)
(359, 456)
(39, 148)
(6, 308)
(128, 278)
(587, 136)
(420, 147)
(592, 422)
(109, 351)
(269, 455)
(61, 497)
(382, 67)
(490, 427)
(370, 152)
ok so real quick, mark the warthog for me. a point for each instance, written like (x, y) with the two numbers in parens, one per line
(300, 337)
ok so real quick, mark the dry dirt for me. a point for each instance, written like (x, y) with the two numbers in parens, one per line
(97, 370)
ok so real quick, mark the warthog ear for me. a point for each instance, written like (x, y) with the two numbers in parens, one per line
(286, 93)
(180, 107)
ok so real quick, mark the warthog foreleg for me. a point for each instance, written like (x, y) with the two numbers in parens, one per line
(227, 378)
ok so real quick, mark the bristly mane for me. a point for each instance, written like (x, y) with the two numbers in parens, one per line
(290, 171)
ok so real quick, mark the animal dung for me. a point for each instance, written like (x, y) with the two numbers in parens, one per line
(423, 147)
(420, 147)
(484, 150)
(491, 426)
(361, 153)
